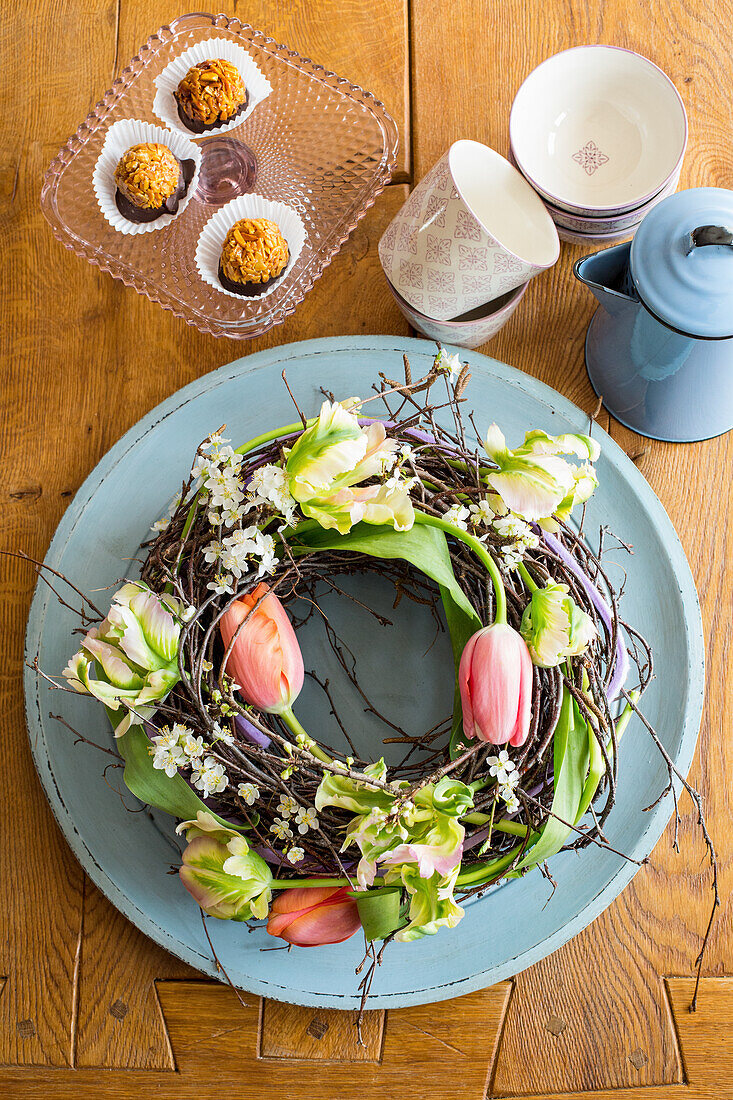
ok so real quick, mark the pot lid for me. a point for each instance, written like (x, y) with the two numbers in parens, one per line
(682, 262)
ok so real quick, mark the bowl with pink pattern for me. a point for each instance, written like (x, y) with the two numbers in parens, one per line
(471, 329)
(472, 230)
(598, 130)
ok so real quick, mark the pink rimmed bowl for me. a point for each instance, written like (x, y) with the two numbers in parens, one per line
(598, 130)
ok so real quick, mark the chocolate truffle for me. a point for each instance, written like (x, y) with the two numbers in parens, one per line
(253, 255)
(211, 94)
(151, 181)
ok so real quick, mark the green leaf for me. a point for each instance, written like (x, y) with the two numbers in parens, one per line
(379, 912)
(426, 549)
(571, 760)
(422, 546)
(169, 793)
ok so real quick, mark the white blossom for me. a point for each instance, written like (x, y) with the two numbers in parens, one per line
(221, 734)
(306, 819)
(213, 443)
(164, 521)
(248, 793)
(504, 769)
(202, 467)
(448, 364)
(193, 746)
(213, 552)
(265, 551)
(457, 514)
(287, 806)
(209, 777)
(296, 854)
(481, 513)
(281, 829)
(519, 535)
(168, 738)
(509, 796)
(269, 485)
(222, 582)
(168, 760)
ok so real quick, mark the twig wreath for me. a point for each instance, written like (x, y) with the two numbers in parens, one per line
(199, 667)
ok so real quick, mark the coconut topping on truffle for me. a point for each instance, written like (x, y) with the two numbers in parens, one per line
(254, 251)
(147, 175)
(212, 92)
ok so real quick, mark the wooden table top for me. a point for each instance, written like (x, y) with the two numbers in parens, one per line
(85, 999)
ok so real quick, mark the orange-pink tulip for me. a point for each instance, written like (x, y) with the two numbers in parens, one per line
(265, 659)
(495, 681)
(310, 916)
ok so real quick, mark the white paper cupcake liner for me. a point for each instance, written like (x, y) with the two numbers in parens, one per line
(120, 136)
(165, 106)
(208, 250)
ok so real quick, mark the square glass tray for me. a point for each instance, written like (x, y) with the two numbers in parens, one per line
(318, 143)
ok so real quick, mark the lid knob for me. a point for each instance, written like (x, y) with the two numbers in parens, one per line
(709, 234)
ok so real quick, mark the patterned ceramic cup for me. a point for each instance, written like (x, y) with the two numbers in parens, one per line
(472, 329)
(471, 230)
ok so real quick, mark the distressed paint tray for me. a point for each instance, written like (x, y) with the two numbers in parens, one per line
(318, 143)
(128, 855)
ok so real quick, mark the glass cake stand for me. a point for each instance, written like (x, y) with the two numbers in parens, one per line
(318, 143)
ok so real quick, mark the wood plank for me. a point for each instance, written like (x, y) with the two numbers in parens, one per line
(606, 984)
(319, 1035)
(44, 304)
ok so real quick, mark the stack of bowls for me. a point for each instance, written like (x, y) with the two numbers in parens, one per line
(600, 133)
(460, 252)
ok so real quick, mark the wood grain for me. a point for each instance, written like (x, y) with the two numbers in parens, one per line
(319, 1035)
(83, 358)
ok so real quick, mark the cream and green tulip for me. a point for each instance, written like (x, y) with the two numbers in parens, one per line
(328, 463)
(554, 627)
(222, 873)
(131, 659)
(533, 480)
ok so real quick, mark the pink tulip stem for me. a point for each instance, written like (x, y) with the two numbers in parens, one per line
(295, 727)
(481, 553)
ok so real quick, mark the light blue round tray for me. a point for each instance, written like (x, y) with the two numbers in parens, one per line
(128, 855)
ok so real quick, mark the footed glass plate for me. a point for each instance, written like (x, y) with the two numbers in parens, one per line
(128, 855)
(317, 143)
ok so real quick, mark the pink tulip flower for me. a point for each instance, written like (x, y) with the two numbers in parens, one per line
(495, 681)
(310, 916)
(265, 660)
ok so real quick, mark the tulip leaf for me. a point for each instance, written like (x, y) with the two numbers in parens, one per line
(379, 912)
(171, 794)
(424, 547)
(571, 760)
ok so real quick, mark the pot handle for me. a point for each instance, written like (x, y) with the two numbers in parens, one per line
(709, 234)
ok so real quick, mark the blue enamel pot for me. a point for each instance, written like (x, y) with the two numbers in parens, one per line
(659, 348)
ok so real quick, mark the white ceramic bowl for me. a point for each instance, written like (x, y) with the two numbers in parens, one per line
(619, 223)
(472, 329)
(598, 130)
